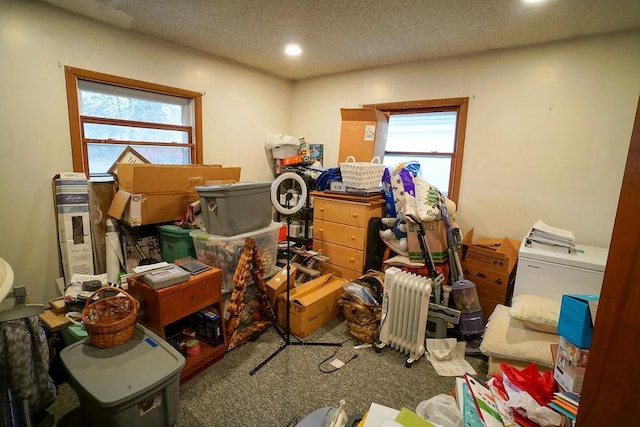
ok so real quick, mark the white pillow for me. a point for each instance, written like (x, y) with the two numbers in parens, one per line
(508, 338)
(536, 312)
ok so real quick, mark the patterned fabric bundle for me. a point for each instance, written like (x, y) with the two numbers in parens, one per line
(24, 363)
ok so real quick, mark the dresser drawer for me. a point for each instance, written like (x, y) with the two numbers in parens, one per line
(189, 299)
(342, 256)
(345, 235)
(344, 212)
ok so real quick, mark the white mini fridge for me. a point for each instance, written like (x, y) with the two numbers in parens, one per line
(551, 274)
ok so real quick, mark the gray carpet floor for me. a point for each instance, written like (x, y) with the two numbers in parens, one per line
(292, 384)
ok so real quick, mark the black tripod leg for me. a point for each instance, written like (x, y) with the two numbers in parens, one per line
(286, 335)
(268, 359)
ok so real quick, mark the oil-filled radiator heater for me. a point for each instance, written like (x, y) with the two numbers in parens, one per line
(405, 306)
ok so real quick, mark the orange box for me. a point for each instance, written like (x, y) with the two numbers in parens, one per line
(294, 160)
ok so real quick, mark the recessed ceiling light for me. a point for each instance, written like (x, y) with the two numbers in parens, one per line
(292, 50)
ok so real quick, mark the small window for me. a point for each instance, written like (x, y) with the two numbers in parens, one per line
(107, 114)
(432, 133)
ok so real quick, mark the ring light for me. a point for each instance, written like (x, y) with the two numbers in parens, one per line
(275, 195)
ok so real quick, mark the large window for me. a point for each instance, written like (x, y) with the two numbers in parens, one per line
(107, 114)
(432, 133)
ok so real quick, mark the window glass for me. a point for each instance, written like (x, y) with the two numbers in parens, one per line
(434, 169)
(109, 113)
(133, 133)
(431, 132)
(115, 102)
(422, 132)
(102, 156)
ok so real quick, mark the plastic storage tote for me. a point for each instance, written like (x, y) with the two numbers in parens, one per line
(232, 209)
(224, 252)
(175, 243)
(133, 384)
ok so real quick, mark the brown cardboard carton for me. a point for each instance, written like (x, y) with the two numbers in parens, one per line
(278, 284)
(152, 178)
(151, 194)
(312, 304)
(436, 235)
(363, 134)
(491, 265)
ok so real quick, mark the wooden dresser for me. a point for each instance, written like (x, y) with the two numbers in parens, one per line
(162, 307)
(340, 228)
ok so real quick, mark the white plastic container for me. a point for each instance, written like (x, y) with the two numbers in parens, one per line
(551, 274)
(224, 252)
(232, 209)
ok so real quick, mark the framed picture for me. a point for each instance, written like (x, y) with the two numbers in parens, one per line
(128, 155)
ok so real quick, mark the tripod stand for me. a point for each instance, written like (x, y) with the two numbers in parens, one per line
(286, 334)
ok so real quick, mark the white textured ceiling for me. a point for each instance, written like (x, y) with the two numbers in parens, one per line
(346, 35)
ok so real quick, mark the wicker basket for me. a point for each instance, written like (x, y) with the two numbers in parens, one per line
(110, 320)
(363, 319)
(361, 175)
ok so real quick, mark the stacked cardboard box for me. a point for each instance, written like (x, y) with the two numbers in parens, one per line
(491, 264)
(151, 194)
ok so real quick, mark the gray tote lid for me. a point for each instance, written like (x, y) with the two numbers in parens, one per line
(115, 375)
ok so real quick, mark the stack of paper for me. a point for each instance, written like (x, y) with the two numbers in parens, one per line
(547, 238)
(566, 404)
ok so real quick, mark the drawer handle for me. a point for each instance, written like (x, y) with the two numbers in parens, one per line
(354, 215)
(352, 259)
(353, 237)
(321, 209)
(320, 230)
(194, 297)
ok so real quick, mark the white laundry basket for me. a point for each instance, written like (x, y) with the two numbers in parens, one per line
(361, 175)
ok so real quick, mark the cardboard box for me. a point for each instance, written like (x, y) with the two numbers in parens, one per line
(74, 226)
(151, 194)
(577, 317)
(278, 284)
(312, 304)
(490, 263)
(436, 235)
(570, 366)
(363, 134)
(208, 325)
(293, 160)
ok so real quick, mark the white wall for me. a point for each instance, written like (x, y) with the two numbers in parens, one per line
(36, 41)
(547, 136)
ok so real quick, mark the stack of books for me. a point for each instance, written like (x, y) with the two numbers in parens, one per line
(547, 238)
(566, 404)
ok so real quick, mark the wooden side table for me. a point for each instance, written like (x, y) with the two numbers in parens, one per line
(161, 307)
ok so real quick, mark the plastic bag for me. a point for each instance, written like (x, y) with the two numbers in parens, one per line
(441, 410)
(279, 139)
